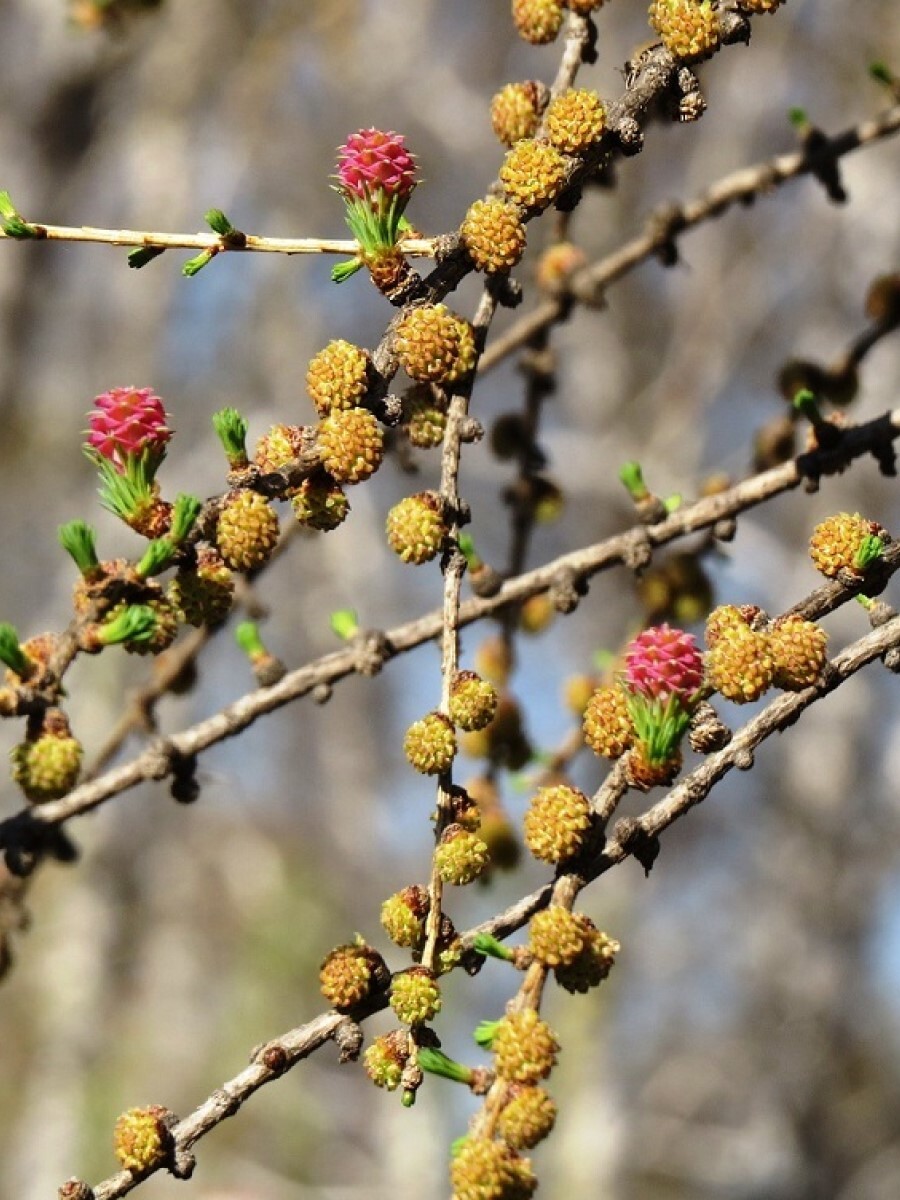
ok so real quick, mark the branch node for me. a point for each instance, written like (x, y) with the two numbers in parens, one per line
(411, 1079)
(160, 758)
(348, 1037)
(445, 246)
(390, 411)
(481, 1081)
(691, 106)
(636, 841)
(567, 589)
(734, 27)
(708, 732)
(184, 1163)
(28, 842)
(725, 529)
(75, 1189)
(184, 789)
(885, 454)
(651, 509)
(485, 580)
(273, 1057)
(823, 161)
(743, 759)
(638, 550)
(662, 228)
(506, 291)
(880, 613)
(226, 1103)
(630, 136)
(461, 512)
(471, 961)
(471, 430)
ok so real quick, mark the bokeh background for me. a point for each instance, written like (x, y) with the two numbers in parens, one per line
(748, 1042)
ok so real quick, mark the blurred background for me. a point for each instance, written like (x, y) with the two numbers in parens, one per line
(747, 1044)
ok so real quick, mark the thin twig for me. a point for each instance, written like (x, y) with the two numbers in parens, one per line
(454, 568)
(421, 247)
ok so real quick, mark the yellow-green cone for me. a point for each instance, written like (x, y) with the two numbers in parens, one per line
(494, 235)
(47, 767)
(524, 1047)
(338, 376)
(433, 344)
(516, 110)
(483, 1169)
(141, 1139)
(416, 528)
(575, 120)
(836, 542)
(739, 664)
(386, 1058)
(403, 916)
(247, 530)
(415, 997)
(557, 936)
(430, 744)
(608, 728)
(528, 1117)
(320, 503)
(473, 701)
(204, 595)
(557, 823)
(350, 974)
(798, 649)
(461, 856)
(689, 28)
(591, 967)
(351, 443)
(537, 21)
(533, 173)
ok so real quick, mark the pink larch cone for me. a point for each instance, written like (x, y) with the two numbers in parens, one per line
(125, 423)
(663, 662)
(371, 162)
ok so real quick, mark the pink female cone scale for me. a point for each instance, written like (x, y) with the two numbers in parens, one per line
(125, 423)
(662, 662)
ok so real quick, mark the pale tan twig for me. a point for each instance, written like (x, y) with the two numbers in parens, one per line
(454, 567)
(415, 247)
